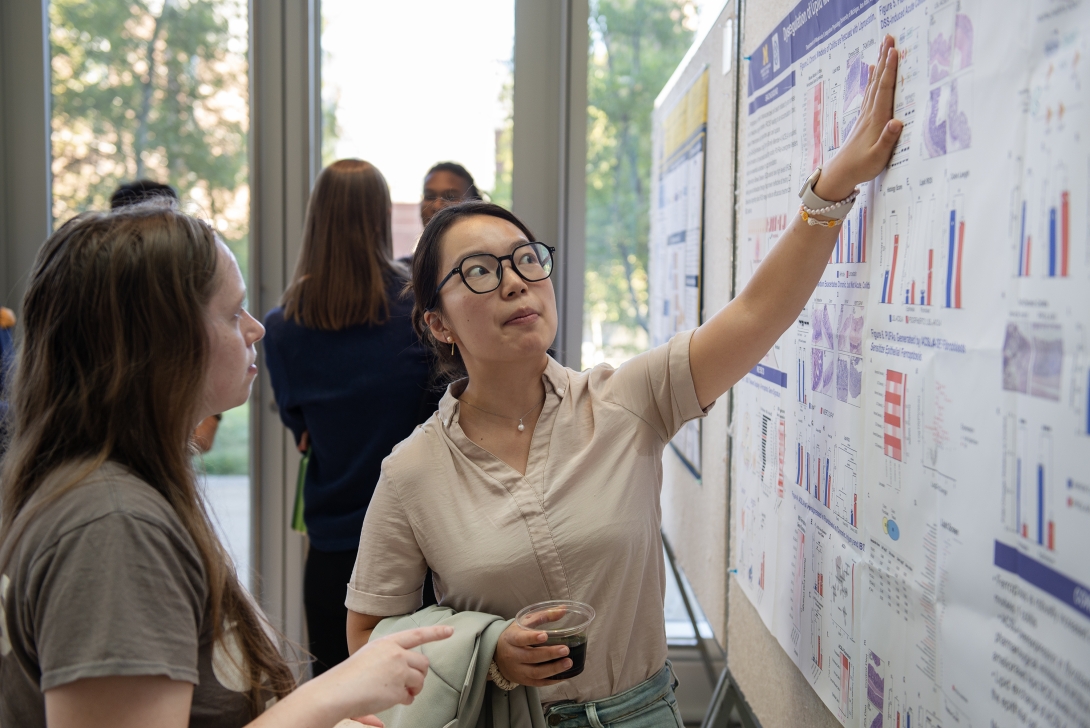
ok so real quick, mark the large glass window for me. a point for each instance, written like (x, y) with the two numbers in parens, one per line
(634, 48)
(158, 89)
(408, 84)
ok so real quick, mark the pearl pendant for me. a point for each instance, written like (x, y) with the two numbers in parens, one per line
(521, 426)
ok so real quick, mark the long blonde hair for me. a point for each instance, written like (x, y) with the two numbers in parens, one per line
(346, 261)
(111, 367)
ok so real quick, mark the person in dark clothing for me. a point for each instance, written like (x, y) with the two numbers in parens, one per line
(350, 376)
(7, 356)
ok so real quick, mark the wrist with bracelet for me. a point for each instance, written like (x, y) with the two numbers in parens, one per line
(497, 677)
(814, 206)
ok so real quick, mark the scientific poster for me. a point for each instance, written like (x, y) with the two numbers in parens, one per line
(677, 233)
(913, 482)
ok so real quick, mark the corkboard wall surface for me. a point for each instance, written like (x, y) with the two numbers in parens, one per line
(694, 513)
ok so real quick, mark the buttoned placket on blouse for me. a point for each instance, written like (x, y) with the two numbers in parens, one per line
(529, 500)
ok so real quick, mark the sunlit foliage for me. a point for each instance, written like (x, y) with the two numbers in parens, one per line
(635, 45)
(152, 89)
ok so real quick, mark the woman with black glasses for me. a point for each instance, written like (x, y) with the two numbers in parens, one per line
(535, 482)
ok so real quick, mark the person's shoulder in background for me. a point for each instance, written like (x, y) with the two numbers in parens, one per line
(274, 318)
(7, 356)
(7, 345)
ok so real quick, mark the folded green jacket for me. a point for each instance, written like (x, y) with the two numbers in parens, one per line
(457, 692)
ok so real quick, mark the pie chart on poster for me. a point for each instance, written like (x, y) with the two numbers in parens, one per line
(891, 528)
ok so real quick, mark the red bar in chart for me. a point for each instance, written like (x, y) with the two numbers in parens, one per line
(1051, 535)
(930, 266)
(893, 415)
(845, 682)
(782, 436)
(800, 464)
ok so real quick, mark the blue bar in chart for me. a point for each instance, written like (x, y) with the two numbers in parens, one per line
(950, 260)
(1041, 504)
(1052, 242)
(1023, 259)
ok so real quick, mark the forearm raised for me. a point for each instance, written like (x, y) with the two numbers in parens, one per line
(730, 343)
(727, 346)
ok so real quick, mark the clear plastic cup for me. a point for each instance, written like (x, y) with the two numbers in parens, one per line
(566, 623)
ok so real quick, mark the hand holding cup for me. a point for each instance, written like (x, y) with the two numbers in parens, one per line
(546, 643)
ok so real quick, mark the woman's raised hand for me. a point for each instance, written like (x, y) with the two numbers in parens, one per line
(870, 145)
(381, 674)
(520, 661)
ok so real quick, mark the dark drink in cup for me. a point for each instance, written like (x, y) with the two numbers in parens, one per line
(577, 646)
(566, 623)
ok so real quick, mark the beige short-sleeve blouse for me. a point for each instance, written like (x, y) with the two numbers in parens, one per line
(583, 523)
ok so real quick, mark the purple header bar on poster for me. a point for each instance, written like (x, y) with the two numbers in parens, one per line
(809, 24)
(1043, 576)
(767, 97)
(770, 375)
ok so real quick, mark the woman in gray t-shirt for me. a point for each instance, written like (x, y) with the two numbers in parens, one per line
(118, 605)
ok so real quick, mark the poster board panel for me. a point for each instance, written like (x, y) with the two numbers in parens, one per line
(910, 459)
(694, 509)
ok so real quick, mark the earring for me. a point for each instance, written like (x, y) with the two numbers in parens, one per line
(451, 345)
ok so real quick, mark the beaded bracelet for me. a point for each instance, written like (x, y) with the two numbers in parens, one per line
(501, 682)
(849, 201)
(807, 216)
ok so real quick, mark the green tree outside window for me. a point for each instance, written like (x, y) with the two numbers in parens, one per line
(152, 89)
(159, 90)
(635, 45)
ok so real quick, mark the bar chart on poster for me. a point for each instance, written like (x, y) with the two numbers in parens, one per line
(912, 470)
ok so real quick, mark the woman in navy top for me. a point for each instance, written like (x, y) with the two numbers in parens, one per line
(350, 376)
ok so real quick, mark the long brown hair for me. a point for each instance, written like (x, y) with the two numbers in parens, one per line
(346, 261)
(427, 274)
(111, 367)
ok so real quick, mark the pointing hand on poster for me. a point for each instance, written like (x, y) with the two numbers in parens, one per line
(870, 146)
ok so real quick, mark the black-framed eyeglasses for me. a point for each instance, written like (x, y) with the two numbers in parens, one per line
(483, 272)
